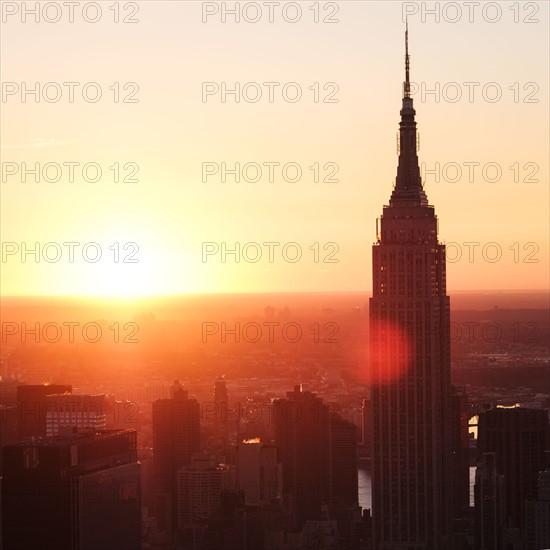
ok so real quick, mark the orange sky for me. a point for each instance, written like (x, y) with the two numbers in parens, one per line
(170, 212)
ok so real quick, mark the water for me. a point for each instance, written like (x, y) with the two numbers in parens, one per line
(365, 493)
(472, 483)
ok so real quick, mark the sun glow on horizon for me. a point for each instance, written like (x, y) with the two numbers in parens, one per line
(151, 152)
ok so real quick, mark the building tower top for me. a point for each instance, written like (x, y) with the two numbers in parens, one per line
(407, 86)
(408, 190)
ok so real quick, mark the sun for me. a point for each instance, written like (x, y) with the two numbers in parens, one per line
(136, 263)
(127, 280)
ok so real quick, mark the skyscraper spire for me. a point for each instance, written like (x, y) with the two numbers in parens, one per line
(408, 190)
(407, 87)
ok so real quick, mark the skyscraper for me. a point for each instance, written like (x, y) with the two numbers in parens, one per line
(318, 452)
(258, 472)
(221, 403)
(176, 437)
(410, 362)
(32, 403)
(460, 453)
(301, 432)
(537, 514)
(489, 504)
(519, 438)
(200, 490)
(80, 490)
(343, 481)
(8, 428)
(77, 410)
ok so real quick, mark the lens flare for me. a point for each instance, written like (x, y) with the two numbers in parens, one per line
(390, 352)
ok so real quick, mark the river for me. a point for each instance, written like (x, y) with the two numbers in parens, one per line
(365, 494)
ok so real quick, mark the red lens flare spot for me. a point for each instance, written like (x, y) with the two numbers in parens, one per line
(390, 352)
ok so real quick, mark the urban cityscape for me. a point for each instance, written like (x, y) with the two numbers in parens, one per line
(400, 415)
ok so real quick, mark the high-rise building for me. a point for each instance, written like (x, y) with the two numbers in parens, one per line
(200, 490)
(489, 505)
(301, 433)
(8, 428)
(176, 437)
(460, 454)
(410, 362)
(537, 514)
(343, 480)
(75, 491)
(74, 410)
(519, 438)
(8, 391)
(32, 403)
(221, 404)
(318, 452)
(259, 474)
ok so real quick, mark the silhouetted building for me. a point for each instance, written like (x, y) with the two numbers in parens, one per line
(343, 480)
(410, 363)
(221, 404)
(460, 449)
(259, 474)
(8, 428)
(8, 391)
(519, 438)
(200, 489)
(74, 410)
(322, 534)
(79, 491)
(537, 514)
(489, 505)
(176, 437)
(32, 405)
(318, 452)
(301, 433)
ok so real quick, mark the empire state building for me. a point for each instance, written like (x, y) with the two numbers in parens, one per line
(410, 362)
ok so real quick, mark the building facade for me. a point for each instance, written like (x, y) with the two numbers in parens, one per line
(76, 492)
(318, 453)
(176, 437)
(200, 490)
(68, 410)
(519, 438)
(32, 405)
(410, 362)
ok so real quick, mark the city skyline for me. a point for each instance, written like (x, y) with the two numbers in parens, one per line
(232, 319)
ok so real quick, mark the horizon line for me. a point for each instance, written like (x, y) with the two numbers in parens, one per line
(310, 292)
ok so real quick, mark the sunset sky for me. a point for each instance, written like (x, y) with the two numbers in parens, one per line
(170, 132)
